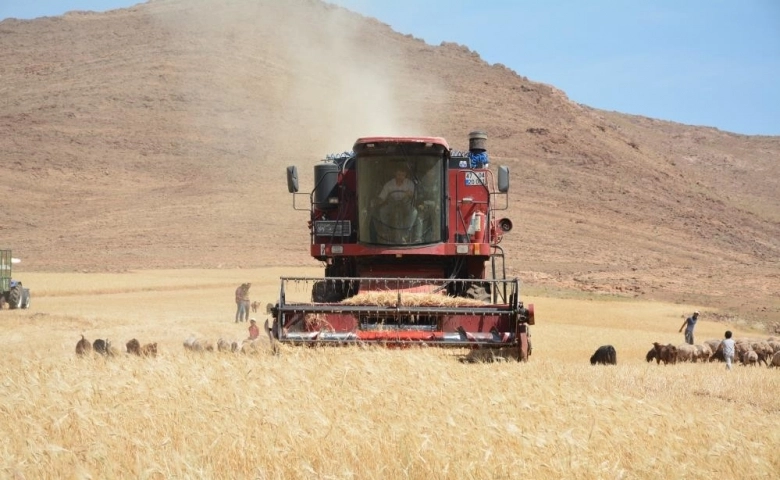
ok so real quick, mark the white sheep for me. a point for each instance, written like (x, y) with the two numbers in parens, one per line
(775, 360)
(750, 358)
(196, 345)
(687, 353)
(703, 352)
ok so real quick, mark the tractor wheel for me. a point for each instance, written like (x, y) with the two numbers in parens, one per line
(25, 298)
(15, 297)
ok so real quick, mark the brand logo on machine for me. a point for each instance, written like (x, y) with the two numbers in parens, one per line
(463, 164)
(329, 228)
(475, 178)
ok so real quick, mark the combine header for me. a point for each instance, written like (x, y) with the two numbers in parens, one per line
(408, 232)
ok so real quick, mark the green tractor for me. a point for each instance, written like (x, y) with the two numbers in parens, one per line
(11, 291)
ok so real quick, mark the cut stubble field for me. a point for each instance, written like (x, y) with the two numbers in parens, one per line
(363, 412)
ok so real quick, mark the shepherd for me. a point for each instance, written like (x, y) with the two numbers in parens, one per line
(689, 325)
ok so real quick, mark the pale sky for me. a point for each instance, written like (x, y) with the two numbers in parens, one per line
(699, 62)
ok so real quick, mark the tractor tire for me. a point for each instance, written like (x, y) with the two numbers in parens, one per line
(15, 297)
(25, 298)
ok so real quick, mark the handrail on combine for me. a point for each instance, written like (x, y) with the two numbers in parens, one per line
(402, 311)
(405, 286)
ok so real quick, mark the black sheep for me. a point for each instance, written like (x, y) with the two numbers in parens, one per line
(101, 346)
(605, 355)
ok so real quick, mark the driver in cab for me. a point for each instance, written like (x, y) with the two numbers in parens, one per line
(397, 215)
(398, 188)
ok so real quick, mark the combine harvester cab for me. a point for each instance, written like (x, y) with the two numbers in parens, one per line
(408, 232)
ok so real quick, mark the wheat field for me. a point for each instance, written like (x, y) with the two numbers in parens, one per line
(363, 413)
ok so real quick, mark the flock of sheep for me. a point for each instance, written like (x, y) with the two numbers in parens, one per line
(247, 346)
(746, 351)
(105, 348)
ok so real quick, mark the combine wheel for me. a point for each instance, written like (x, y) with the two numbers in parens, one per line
(523, 343)
(15, 297)
(324, 292)
(478, 292)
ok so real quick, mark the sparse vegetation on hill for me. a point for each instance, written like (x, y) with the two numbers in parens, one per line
(157, 136)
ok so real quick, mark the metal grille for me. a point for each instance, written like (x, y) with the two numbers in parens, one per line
(332, 228)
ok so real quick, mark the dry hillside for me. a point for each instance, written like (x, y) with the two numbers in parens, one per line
(157, 136)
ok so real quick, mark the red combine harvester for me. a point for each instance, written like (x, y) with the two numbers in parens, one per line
(406, 228)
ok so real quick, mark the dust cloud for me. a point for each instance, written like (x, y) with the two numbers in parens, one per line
(305, 77)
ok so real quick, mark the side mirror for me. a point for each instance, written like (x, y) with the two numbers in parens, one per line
(503, 179)
(292, 179)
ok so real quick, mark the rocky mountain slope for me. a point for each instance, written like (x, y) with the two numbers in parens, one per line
(157, 137)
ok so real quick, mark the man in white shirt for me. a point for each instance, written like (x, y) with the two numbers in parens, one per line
(397, 212)
(397, 189)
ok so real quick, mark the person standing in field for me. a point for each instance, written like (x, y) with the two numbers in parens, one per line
(728, 349)
(247, 303)
(689, 324)
(242, 302)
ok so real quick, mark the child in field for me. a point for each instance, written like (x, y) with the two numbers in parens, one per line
(728, 349)
(254, 332)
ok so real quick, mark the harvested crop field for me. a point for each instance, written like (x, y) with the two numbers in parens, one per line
(363, 413)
